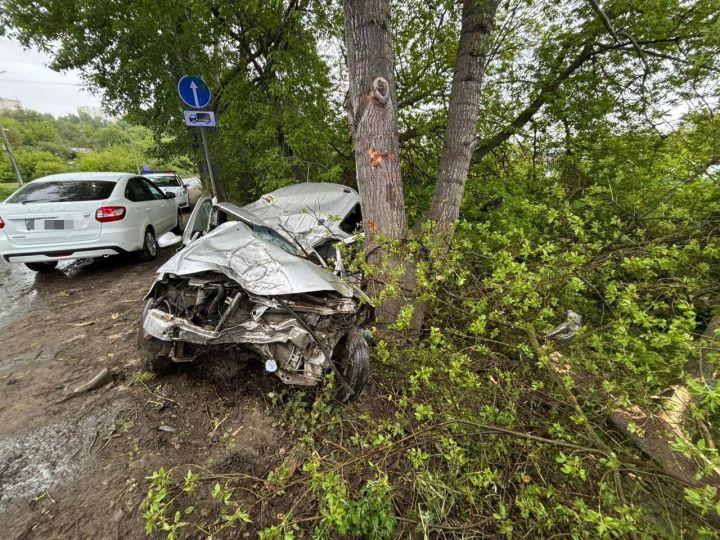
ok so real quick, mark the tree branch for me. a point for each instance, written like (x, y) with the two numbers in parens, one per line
(526, 114)
(589, 51)
(614, 33)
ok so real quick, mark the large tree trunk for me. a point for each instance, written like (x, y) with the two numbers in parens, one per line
(478, 19)
(461, 131)
(373, 119)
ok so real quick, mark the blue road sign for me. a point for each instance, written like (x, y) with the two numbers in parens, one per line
(194, 92)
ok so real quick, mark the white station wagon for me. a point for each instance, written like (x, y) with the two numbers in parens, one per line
(84, 215)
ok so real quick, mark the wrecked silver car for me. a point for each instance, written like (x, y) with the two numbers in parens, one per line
(239, 282)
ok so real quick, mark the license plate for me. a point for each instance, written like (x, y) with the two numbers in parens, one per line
(57, 224)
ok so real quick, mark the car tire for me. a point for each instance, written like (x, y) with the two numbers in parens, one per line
(352, 361)
(152, 351)
(150, 248)
(42, 267)
(180, 227)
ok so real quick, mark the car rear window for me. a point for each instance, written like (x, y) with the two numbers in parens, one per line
(164, 181)
(63, 191)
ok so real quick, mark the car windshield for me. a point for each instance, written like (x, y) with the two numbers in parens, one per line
(63, 191)
(269, 235)
(167, 180)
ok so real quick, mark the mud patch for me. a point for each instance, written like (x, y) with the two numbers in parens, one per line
(45, 458)
(77, 469)
(40, 354)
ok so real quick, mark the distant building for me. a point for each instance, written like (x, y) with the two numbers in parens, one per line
(7, 104)
(92, 112)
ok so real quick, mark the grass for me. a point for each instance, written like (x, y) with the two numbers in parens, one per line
(6, 190)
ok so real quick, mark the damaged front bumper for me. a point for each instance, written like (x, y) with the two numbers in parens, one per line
(295, 335)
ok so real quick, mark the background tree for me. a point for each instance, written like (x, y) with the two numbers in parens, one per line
(261, 60)
(46, 145)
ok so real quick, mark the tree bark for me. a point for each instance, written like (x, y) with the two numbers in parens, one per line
(373, 122)
(461, 132)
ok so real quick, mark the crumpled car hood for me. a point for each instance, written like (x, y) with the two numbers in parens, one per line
(260, 267)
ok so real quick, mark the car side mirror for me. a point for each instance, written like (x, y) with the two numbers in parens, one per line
(170, 195)
(169, 239)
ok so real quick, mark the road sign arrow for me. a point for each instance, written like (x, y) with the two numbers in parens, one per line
(194, 87)
(193, 91)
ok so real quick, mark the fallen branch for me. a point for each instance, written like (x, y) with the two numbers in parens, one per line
(101, 379)
(160, 396)
(655, 433)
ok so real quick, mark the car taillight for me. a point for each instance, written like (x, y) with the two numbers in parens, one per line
(2, 223)
(106, 214)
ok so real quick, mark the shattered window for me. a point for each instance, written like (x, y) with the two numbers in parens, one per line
(202, 218)
(269, 235)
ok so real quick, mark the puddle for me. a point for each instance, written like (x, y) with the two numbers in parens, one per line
(45, 458)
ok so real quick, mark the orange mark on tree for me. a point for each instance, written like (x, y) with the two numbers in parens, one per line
(377, 157)
(372, 226)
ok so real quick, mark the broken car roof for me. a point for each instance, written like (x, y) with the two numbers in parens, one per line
(307, 211)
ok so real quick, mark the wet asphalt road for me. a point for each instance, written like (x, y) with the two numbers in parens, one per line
(17, 290)
(19, 285)
(22, 290)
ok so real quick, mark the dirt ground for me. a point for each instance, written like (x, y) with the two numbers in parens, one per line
(77, 468)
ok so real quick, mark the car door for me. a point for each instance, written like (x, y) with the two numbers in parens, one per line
(164, 210)
(199, 222)
(140, 209)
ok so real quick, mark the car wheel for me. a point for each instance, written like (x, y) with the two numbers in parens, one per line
(150, 247)
(180, 225)
(352, 361)
(42, 267)
(153, 352)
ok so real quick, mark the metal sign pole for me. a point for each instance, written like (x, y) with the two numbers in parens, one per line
(11, 156)
(195, 93)
(207, 160)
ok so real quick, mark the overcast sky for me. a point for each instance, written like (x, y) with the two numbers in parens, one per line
(26, 77)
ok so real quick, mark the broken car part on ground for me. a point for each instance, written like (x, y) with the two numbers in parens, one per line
(239, 283)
